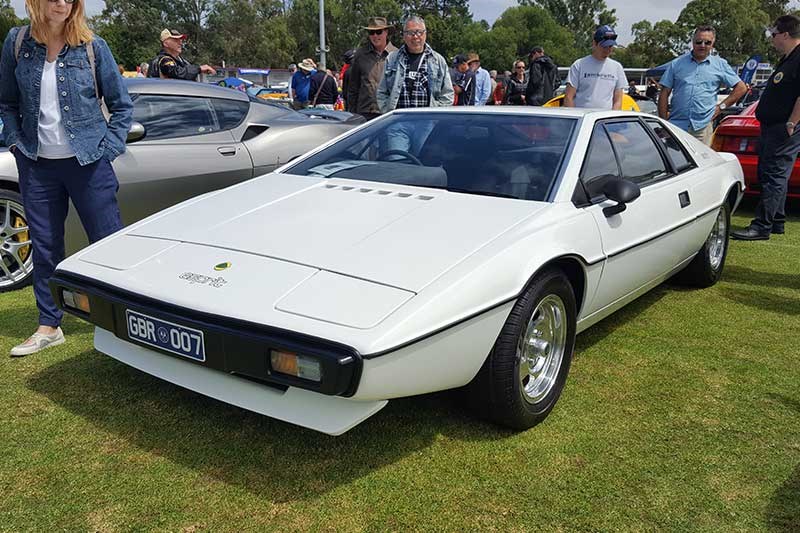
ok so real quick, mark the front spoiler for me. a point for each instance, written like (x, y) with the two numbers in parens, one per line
(328, 414)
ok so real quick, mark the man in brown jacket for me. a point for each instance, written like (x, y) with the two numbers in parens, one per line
(367, 69)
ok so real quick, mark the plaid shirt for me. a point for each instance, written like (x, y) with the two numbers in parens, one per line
(415, 92)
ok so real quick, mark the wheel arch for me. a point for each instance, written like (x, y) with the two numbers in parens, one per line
(735, 194)
(574, 268)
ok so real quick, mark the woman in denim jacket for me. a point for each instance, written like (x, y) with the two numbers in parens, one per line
(63, 146)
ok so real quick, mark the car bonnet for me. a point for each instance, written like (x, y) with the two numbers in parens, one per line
(403, 237)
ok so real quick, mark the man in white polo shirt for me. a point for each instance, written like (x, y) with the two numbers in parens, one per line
(597, 81)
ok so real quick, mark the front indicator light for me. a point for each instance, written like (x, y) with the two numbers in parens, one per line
(292, 364)
(76, 300)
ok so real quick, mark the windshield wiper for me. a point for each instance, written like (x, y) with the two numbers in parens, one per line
(482, 193)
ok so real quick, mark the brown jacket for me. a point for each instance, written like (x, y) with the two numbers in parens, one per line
(366, 72)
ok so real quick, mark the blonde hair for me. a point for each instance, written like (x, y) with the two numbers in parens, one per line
(76, 31)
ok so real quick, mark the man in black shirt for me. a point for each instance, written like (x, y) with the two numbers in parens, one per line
(779, 114)
(169, 63)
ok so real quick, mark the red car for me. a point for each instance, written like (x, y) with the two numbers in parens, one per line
(738, 134)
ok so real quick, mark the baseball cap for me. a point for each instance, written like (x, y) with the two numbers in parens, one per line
(174, 34)
(460, 58)
(605, 36)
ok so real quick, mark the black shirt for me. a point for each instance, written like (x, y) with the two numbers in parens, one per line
(781, 91)
(323, 88)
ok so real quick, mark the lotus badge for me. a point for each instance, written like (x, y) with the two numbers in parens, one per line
(222, 266)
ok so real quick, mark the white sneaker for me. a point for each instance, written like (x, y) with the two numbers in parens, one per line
(38, 342)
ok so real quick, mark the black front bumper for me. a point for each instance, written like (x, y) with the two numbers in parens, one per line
(232, 346)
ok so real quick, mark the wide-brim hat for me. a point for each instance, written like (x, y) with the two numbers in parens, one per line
(172, 34)
(377, 23)
(307, 65)
(471, 58)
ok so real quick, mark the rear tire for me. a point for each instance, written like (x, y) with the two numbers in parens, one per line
(16, 253)
(524, 374)
(706, 267)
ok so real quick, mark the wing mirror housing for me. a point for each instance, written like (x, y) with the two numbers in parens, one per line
(621, 191)
(136, 133)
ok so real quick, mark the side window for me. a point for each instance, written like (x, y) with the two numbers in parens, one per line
(169, 117)
(600, 165)
(674, 149)
(230, 113)
(639, 158)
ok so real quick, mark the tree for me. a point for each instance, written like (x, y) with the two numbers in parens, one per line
(580, 16)
(249, 33)
(653, 44)
(8, 18)
(521, 28)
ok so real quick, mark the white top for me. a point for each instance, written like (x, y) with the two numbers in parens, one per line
(53, 140)
(595, 82)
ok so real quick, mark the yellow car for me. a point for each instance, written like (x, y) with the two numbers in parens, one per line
(628, 103)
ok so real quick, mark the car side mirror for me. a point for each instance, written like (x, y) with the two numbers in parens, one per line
(621, 191)
(136, 133)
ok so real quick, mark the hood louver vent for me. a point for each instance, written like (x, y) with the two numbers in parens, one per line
(381, 192)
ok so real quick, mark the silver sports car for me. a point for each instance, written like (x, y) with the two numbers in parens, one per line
(187, 138)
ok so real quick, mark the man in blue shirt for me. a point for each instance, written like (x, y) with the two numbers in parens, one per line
(301, 83)
(695, 78)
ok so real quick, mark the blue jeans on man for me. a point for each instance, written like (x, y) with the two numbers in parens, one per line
(47, 185)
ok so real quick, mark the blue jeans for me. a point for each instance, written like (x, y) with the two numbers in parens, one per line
(47, 185)
(776, 155)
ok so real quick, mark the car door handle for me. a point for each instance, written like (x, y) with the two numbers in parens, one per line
(684, 199)
(227, 150)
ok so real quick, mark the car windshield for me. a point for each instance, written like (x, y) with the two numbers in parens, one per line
(514, 156)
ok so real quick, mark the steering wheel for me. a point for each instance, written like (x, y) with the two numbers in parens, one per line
(402, 153)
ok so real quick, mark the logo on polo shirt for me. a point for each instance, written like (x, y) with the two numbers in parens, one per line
(778, 77)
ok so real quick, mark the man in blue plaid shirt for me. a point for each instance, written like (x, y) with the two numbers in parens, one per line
(414, 76)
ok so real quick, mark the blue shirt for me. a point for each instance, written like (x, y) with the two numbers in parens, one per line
(695, 87)
(301, 84)
(483, 86)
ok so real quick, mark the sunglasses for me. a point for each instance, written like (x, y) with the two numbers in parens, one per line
(414, 33)
(520, 66)
(375, 32)
(701, 42)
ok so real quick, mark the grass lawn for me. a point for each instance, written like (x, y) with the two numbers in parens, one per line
(681, 413)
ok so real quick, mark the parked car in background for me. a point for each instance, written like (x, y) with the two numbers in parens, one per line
(738, 134)
(430, 249)
(187, 139)
(749, 98)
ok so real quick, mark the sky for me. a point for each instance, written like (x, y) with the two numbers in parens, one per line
(628, 11)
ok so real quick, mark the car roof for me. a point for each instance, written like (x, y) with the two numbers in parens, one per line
(183, 88)
(570, 112)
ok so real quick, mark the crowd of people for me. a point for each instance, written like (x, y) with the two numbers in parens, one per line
(64, 144)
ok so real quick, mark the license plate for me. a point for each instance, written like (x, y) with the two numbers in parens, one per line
(187, 342)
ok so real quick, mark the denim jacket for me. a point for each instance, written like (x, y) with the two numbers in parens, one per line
(90, 137)
(439, 84)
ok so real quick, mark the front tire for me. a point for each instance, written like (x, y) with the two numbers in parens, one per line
(706, 267)
(524, 374)
(16, 253)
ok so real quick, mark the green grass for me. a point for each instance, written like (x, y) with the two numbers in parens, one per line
(681, 413)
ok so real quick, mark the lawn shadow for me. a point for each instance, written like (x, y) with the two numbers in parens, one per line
(607, 326)
(748, 276)
(762, 300)
(785, 400)
(783, 511)
(274, 460)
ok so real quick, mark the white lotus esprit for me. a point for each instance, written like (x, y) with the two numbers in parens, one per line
(424, 251)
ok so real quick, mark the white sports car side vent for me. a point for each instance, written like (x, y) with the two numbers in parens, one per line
(381, 192)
